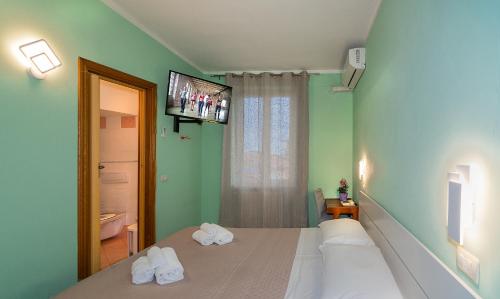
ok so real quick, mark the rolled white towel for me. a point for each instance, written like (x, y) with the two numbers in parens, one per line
(172, 270)
(209, 228)
(223, 236)
(203, 238)
(142, 272)
(156, 257)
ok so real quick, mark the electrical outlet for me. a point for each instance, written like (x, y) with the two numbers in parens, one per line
(468, 263)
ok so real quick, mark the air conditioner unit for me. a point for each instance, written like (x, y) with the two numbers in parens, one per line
(353, 69)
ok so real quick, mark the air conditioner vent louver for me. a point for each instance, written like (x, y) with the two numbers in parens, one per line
(354, 67)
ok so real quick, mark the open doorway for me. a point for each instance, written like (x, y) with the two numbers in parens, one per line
(118, 171)
(116, 166)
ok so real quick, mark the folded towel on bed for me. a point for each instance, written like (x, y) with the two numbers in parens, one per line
(172, 270)
(156, 257)
(223, 236)
(210, 228)
(142, 272)
(220, 234)
(203, 238)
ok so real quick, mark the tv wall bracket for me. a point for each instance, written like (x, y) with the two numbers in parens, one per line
(178, 120)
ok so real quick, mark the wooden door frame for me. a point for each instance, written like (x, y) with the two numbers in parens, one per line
(147, 158)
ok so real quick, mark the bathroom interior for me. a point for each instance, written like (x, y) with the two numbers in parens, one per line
(118, 171)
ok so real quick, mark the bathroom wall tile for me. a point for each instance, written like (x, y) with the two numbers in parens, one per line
(128, 122)
(103, 122)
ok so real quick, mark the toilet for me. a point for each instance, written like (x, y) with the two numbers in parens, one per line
(111, 224)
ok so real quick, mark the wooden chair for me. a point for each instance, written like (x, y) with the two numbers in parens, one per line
(321, 206)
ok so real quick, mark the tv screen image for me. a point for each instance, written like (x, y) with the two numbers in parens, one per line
(195, 98)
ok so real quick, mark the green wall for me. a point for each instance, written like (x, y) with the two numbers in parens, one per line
(429, 100)
(330, 147)
(330, 138)
(211, 166)
(38, 137)
(211, 171)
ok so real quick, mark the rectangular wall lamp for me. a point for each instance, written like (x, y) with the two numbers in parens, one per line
(41, 57)
(460, 202)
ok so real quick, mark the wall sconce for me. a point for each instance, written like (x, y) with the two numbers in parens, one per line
(461, 202)
(40, 57)
(362, 169)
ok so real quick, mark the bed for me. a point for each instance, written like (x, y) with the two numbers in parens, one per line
(287, 263)
(259, 263)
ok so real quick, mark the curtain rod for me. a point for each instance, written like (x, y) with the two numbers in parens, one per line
(255, 74)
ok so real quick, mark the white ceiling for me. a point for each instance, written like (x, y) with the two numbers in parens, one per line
(255, 35)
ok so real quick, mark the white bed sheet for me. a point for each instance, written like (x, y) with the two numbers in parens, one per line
(364, 274)
(307, 270)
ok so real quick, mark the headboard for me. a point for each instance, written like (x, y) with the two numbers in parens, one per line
(418, 272)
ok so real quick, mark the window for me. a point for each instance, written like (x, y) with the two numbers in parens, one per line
(265, 170)
(171, 84)
(252, 140)
(252, 127)
(280, 128)
(259, 142)
(175, 85)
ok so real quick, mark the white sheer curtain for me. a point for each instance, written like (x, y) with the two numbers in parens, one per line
(265, 164)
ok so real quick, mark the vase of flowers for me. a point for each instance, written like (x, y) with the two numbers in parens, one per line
(343, 188)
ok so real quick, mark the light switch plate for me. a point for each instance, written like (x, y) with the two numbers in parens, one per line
(163, 178)
(468, 263)
(163, 132)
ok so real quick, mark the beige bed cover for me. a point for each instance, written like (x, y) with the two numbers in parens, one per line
(257, 264)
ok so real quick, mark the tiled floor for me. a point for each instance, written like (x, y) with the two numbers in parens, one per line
(114, 249)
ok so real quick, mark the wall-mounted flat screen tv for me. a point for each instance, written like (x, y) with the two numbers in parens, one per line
(195, 98)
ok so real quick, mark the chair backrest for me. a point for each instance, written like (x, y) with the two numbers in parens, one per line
(320, 202)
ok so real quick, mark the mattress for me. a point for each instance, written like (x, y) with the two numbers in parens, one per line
(259, 263)
(307, 270)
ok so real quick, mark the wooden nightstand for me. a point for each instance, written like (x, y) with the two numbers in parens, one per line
(334, 207)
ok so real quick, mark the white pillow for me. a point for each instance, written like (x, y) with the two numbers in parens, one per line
(344, 231)
(357, 272)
